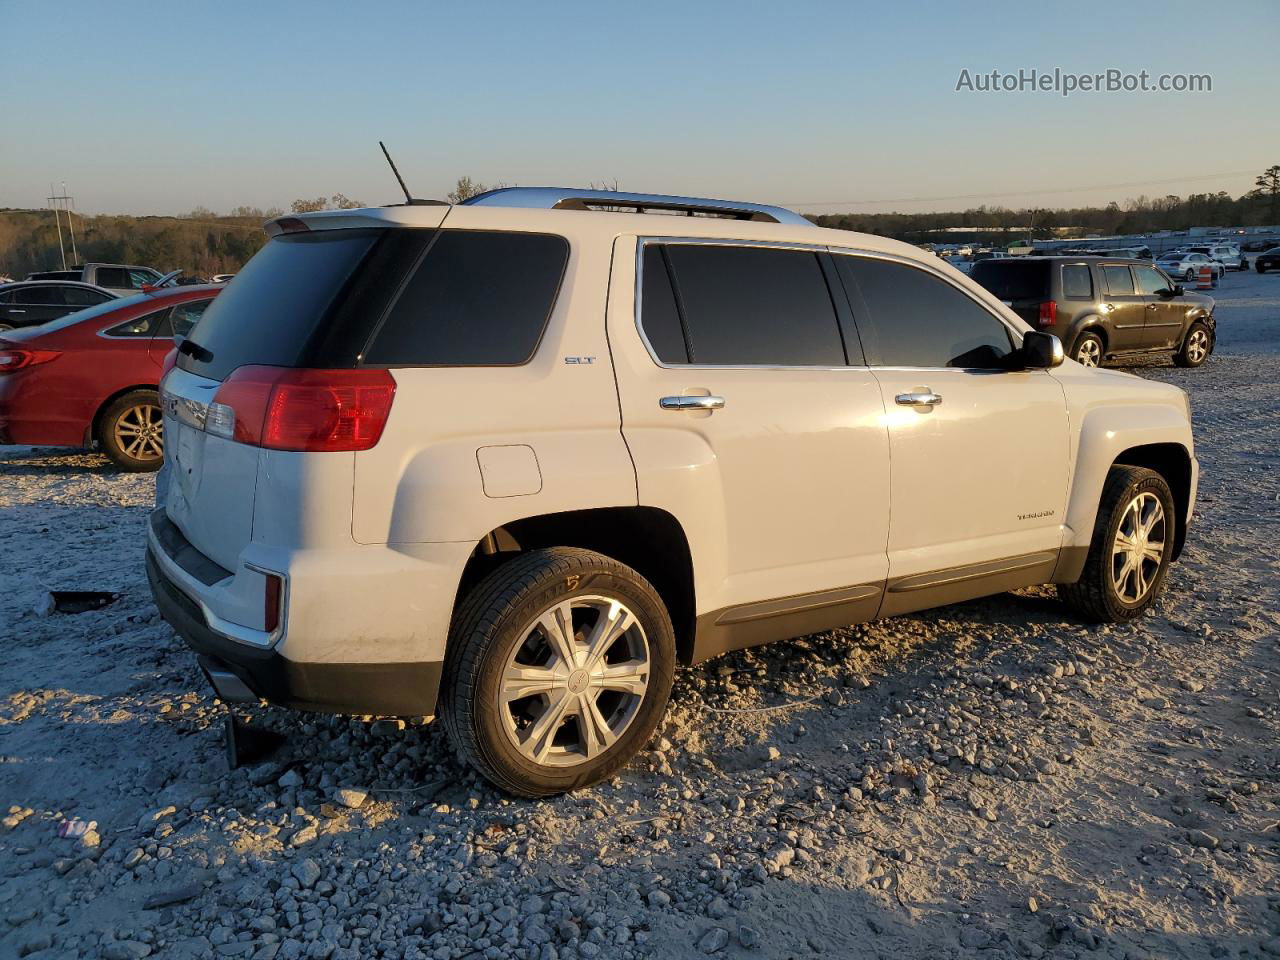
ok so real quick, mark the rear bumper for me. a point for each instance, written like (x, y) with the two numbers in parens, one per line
(239, 672)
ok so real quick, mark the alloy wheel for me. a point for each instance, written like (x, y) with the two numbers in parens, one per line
(1138, 549)
(1197, 346)
(1089, 353)
(139, 432)
(574, 683)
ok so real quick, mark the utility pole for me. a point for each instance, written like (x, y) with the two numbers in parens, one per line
(61, 202)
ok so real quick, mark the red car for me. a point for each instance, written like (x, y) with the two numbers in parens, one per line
(93, 376)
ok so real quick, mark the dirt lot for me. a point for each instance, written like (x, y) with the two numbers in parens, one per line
(991, 779)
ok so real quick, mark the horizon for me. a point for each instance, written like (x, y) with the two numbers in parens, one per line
(217, 115)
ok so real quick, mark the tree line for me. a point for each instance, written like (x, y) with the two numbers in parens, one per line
(202, 243)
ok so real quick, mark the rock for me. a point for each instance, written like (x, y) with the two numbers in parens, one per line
(658, 899)
(350, 797)
(718, 909)
(34, 942)
(304, 836)
(178, 894)
(714, 940)
(148, 821)
(748, 937)
(1198, 838)
(1032, 904)
(533, 905)
(133, 858)
(1193, 686)
(1271, 946)
(772, 753)
(290, 778)
(307, 873)
(264, 773)
(126, 950)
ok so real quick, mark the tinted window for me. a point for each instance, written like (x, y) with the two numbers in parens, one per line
(112, 277)
(278, 302)
(183, 317)
(40, 296)
(1118, 281)
(1077, 282)
(1014, 279)
(478, 298)
(921, 320)
(138, 277)
(143, 326)
(658, 314)
(1151, 281)
(753, 305)
(83, 296)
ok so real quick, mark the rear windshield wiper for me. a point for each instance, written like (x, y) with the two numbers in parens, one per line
(194, 350)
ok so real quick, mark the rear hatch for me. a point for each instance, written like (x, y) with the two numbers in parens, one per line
(1023, 285)
(307, 300)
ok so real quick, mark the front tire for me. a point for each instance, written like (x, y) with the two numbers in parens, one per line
(559, 667)
(131, 431)
(1132, 544)
(1196, 346)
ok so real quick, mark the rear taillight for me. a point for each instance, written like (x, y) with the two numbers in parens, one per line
(12, 359)
(320, 411)
(272, 593)
(1048, 313)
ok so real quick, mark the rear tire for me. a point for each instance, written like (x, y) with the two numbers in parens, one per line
(1088, 351)
(1123, 574)
(532, 705)
(1196, 346)
(131, 432)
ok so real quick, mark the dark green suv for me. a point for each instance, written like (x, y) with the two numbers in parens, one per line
(1103, 307)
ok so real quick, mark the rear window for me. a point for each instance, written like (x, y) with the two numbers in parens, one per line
(1014, 279)
(274, 310)
(1118, 280)
(478, 298)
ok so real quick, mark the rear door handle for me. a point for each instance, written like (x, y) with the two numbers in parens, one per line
(925, 398)
(691, 403)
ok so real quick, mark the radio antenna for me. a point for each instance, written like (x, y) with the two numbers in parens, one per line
(409, 199)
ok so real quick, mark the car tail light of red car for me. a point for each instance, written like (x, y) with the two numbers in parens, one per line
(318, 411)
(15, 358)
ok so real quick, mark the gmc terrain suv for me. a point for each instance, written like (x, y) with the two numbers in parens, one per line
(1104, 308)
(507, 462)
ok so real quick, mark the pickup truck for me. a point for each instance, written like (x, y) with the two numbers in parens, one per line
(116, 277)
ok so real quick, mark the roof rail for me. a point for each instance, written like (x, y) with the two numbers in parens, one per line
(568, 198)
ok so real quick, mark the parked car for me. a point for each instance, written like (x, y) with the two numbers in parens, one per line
(118, 277)
(1227, 254)
(92, 376)
(990, 255)
(1260, 245)
(30, 302)
(1186, 265)
(1104, 308)
(1270, 260)
(963, 264)
(508, 477)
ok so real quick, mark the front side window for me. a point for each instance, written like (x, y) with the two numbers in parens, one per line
(477, 298)
(1118, 280)
(921, 320)
(751, 306)
(1077, 282)
(1151, 281)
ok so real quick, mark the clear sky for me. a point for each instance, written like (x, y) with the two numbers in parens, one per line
(160, 107)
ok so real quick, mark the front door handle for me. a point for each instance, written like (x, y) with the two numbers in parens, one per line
(924, 398)
(691, 403)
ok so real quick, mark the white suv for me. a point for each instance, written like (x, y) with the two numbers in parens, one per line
(508, 461)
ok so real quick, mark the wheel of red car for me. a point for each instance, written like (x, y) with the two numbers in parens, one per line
(131, 431)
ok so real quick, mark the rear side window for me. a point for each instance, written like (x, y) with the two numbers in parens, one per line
(1118, 280)
(84, 297)
(144, 326)
(755, 306)
(1013, 279)
(659, 316)
(41, 296)
(279, 302)
(1077, 281)
(112, 277)
(478, 298)
(921, 320)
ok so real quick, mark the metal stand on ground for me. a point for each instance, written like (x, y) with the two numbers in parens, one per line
(246, 744)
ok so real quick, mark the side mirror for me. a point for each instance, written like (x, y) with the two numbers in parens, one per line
(1039, 351)
(1178, 290)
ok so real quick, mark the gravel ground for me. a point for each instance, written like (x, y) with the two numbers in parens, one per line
(991, 779)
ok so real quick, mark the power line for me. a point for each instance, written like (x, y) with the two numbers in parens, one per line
(1023, 193)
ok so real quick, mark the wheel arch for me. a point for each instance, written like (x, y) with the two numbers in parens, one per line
(91, 432)
(1173, 462)
(1091, 324)
(649, 540)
